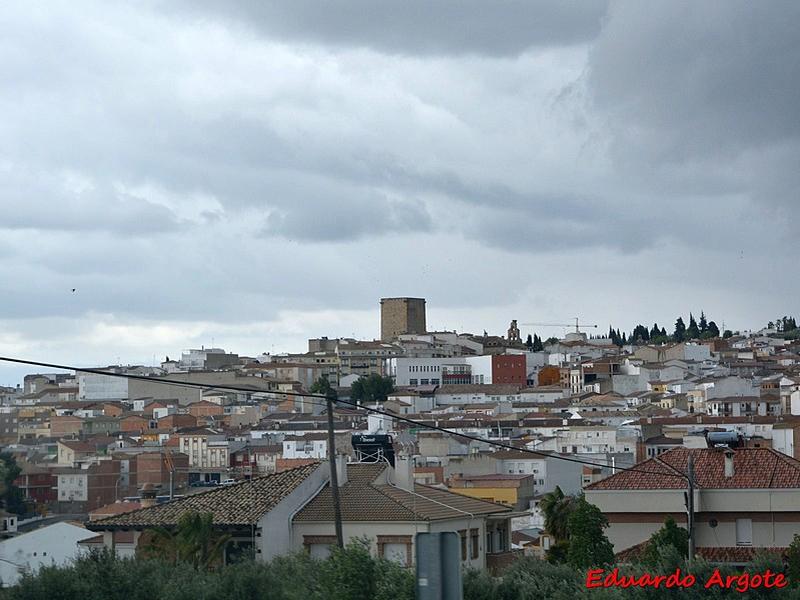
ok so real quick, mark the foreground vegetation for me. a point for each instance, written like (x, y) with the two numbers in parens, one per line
(350, 574)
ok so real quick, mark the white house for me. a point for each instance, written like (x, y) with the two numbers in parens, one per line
(54, 544)
(549, 470)
(310, 445)
(93, 386)
(426, 371)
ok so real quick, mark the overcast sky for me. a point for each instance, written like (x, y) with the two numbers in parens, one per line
(255, 173)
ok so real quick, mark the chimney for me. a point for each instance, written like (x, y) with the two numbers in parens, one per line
(728, 462)
(341, 469)
(148, 495)
(404, 472)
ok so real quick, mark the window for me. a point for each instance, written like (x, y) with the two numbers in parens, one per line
(395, 553)
(744, 532)
(319, 546)
(463, 535)
(396, 548)
(474, 543)
(319, 551)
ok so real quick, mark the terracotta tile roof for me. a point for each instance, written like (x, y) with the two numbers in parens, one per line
(120, 537)
(494, 389)
(243, 503)
(720, 554)
(116, 508)
(736, 554)
(754, 468)
(663, 440)
(520, 455)
(78, 445)
(366, 497)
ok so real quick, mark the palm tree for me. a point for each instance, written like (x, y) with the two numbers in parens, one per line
(556, 507)
(193, 541)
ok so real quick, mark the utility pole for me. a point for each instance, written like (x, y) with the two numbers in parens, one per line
(690, 505)
(337, 509)
(171, 467)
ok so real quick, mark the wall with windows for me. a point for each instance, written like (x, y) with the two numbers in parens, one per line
(72, 487)
(427, 371)
(389, 539)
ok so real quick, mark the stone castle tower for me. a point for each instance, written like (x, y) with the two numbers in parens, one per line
(400, 316)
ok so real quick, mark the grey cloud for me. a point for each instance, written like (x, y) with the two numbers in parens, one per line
(684, 82)
(327, 219)
(40, 200)
(443, 176)
(503, 27)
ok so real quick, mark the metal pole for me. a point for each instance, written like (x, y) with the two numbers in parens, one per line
(337, 510)
(690, 505)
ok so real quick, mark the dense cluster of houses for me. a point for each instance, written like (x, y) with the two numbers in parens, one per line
(125, 455)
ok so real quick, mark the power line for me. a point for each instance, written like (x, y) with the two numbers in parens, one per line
(324, 398)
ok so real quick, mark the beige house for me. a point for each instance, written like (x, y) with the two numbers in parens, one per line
(73, 451)
(383, 505)
(293, 510)
(746, 499)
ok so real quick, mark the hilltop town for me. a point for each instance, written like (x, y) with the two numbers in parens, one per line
(102, 458)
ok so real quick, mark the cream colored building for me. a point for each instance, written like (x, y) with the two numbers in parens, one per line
(205, 448)
(387, 508)
(745, 499)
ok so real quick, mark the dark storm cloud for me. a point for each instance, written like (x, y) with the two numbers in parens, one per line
(703, 91)
(503, 27)
(324, 218)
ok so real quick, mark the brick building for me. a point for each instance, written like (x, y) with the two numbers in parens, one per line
(154, 468)
(509, 369)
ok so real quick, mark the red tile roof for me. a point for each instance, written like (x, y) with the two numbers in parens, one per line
(737, 555)
(754, 468)
(365, 497)
(242, 503)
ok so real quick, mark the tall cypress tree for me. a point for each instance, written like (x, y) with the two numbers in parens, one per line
(680, 330)
(693, 331)
(703, 322)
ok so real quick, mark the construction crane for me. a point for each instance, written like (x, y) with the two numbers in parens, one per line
(577, 325)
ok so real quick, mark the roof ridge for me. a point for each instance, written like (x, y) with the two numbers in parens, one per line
(216, 490)
(397, 502)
